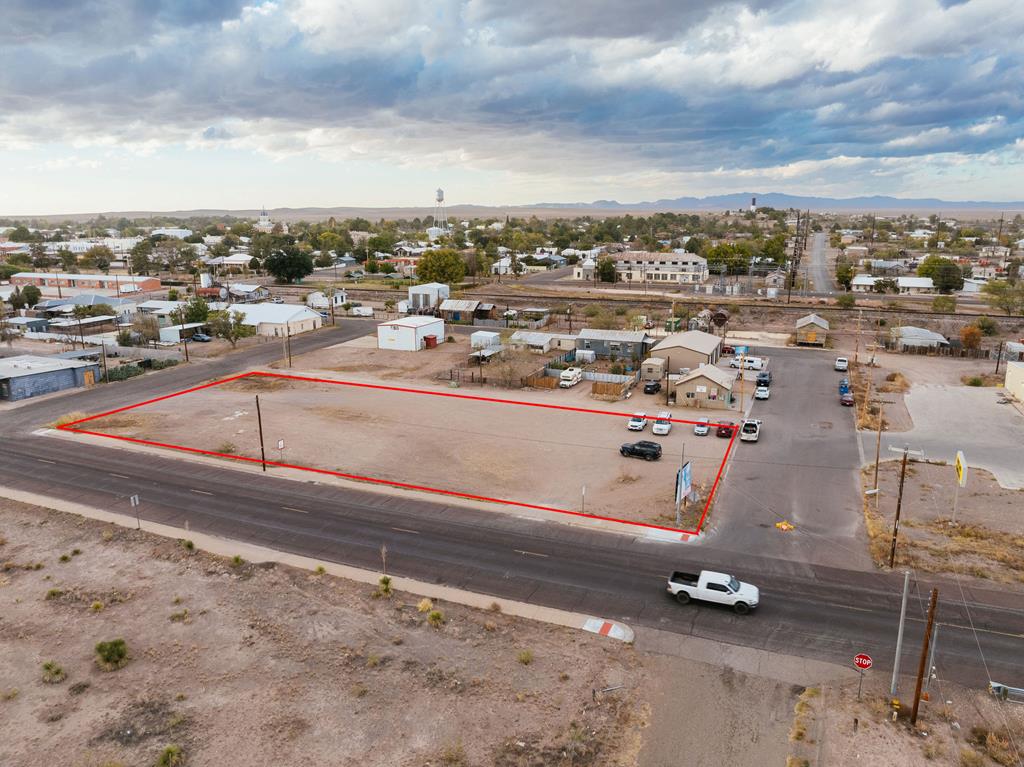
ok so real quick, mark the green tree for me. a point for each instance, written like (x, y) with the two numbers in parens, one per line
(289, 264)
(196, 310)
(943, 304)
(844, 272)
(886, 285)
(68, 260)
(17, 300)
(1000, 294)
(442, 265)
(31, 294)
(846, 301)
(946, 275)
(606, 269)
(172, 294)
(40, 258)
(230, 326)
(140, 257)
(98, 257)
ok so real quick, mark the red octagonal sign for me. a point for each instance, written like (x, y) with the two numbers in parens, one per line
(863, 661)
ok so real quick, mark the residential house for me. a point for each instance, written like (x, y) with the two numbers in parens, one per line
(688, 349)
(49, 282)
(706, 386)
(812, 330)
(776, 279)
(616, 344)
(247, 293)
(865, 283)
(541, 343)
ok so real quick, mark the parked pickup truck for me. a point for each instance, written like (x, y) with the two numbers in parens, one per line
(709, 586)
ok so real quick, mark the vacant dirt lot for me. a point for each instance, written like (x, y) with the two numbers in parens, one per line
(239, 664)
(361, 355)
(986, 543)
(525, 454)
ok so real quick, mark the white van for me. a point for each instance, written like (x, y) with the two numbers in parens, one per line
(748, 363)
(570, 377)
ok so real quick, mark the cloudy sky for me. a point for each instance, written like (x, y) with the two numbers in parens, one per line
(161, 104)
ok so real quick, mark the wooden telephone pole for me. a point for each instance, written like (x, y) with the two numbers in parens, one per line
(925, 647)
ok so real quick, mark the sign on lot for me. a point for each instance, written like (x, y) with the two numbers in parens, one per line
(961, 468)
(684, 482)
(863, 661)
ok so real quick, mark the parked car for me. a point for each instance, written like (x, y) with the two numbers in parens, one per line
(847, 399)
(764, 378)
(725, 429)
(844, 385)
(709, 586)
(842, 364)
(637, 422)
(750, 430)
(277, 300)
(662, 424)
(762, 392)
(201, 338)
(649, 451)
(652, 387)
(702, 427)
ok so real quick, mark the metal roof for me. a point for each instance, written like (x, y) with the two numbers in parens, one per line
(30, 364)
(256, 314)
(717, 375)
(458, 305)
(696, 340)
(812, 319)
(629, 336)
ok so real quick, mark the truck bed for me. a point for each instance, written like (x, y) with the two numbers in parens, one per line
(685, 579)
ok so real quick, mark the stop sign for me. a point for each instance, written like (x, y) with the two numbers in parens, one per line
(862, 661)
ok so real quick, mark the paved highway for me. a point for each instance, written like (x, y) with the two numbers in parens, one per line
(808, 610)
(817, 268)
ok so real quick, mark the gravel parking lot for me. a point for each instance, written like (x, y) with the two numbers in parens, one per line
(526, 454)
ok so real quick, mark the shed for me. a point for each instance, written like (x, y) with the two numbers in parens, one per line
(408, 334)
(707, 386)
(910, 337)
(689, 349)
(484, 339)
(172, 334)
(28, 375)
(427, 295)
(28, 324)
(652, 369)
(458, 310)
(812, 329)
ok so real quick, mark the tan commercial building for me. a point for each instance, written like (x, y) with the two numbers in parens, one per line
(690, 349)
(707, 387)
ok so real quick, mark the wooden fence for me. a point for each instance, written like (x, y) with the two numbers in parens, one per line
(939, 351)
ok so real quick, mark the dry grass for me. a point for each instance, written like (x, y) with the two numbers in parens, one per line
(257, 384)
(895, 382)
(68, 418)
(982, 379)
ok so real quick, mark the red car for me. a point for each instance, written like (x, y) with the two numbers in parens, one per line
(846, 399)
(725, 429)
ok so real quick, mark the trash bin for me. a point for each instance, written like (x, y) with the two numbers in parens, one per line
(430, 342)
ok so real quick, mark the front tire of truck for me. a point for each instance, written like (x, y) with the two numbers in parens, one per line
(682, 598)
(741, 608)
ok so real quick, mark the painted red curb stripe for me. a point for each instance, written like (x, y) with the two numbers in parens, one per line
(393, 483)
(606, 628)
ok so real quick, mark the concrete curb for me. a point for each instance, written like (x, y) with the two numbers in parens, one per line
(296, 475)
(253, 553)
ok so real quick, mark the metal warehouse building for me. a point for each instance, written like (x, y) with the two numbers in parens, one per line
(30, 376)
(409, 334)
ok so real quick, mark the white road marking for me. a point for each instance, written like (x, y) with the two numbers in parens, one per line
(404, 530)
(292, 508)
(43, 460)
(529, 553)
(120, 476)
(201, 492)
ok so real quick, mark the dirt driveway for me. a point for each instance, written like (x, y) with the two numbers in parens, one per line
(533, 455)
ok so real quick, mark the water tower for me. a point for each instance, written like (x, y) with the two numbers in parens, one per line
(440, 216)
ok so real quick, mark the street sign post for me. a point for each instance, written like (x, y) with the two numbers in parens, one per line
(862, 661)
(134, 500)
(961, 480)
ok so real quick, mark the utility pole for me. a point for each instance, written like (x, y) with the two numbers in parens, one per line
(856, 350)
(899, 499)
(878, 451)
(103, 347)
(999, 357)
(259, 423)
(932, 604)
(899, 635)
(682, 454)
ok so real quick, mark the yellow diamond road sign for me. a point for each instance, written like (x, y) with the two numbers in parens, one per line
(961, 468)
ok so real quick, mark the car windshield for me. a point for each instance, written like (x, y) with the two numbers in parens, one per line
(734, 585)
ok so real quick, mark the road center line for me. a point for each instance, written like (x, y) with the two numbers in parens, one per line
(201, 492)
(121, 476)
(43, 460)
(529, 553)
(292, 508)
(404, 530)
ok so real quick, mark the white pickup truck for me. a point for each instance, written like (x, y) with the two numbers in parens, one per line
(709, 586)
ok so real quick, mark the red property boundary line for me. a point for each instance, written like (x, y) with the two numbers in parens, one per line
(70, 427)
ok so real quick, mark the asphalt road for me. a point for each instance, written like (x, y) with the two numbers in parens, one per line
(817, 268)
(803, 469)
(809, 610)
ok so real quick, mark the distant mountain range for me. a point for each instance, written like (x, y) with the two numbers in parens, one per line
(781, 201)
